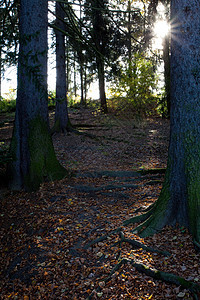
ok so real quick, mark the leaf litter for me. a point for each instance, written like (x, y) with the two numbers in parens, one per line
(44, 235)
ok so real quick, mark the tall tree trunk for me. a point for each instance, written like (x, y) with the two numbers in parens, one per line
(32, 149)
(179, 201)
(99, 32)
(61, 113)
(0, 73)
(166, 59)
(75, 86)
(131, 57)
(67, 66)
(101, 76)
(82, 82)
(129, 37)
(81, 61)
(85, 84)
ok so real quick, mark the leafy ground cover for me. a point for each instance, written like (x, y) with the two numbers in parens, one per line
(50, 240)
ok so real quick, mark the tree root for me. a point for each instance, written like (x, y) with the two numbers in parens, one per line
(140, 218)
(138, 245)
(159, 275)
(153, 171)
(143, 209)
(71, 129)
(194, 288)
(102, 238)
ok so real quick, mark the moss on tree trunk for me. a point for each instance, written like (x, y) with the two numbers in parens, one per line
(42, 164)
(34, 159)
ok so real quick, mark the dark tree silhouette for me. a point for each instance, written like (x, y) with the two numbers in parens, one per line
(61, 113)
(32, 150)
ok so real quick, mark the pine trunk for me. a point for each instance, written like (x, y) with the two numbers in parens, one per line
(32, 150)
(179, 201)
(81, 80)
(61, 113)
(0, 73)
(101, 77)
(166, 59)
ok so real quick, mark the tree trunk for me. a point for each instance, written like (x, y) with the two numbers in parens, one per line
(131, 58)
(99, 35)
(101, 77)
(81, 61)
(81, 79)
(85, 85)
(32, 150)
(179, 201)
(67, 66)
(166, 59)
(0, 73)
(61, 113)
(75, 86)
(129, 36)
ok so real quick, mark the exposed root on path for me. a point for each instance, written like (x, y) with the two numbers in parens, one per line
(166, 277)
(158, 275)
(140, 218)
(170, 278)
(136, 245)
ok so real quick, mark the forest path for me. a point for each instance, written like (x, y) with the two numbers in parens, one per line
(44, 234)
(121, 143)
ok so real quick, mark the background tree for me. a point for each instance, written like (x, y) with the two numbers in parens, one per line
(179, 201)
(96, 12)
(61, 111)
(32, 150)
(166, 60)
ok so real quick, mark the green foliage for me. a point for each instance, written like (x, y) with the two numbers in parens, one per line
(7, 105)
(73, 103)
(51, 99)
(133, 90)
(162, 107)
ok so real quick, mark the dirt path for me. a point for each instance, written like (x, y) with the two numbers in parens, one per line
(44, 234)
(122, 144)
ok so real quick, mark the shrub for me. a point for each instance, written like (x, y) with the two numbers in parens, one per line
(7, 105)
(133, 90)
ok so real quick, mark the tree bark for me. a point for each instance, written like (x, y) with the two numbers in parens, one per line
(75, 85)
(166, 59)
(32, 149)
(101, 77)
(0, 72)
(99, 35)
(102, 88)
(81, 79)
(179, 201)
(85, 85)
(61, 112)
(81, 62)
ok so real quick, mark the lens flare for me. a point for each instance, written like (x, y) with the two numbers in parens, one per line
(161, 29)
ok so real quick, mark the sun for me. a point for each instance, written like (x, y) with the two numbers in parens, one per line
(161, 29)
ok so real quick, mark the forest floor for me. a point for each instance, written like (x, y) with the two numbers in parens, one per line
(46, 249)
